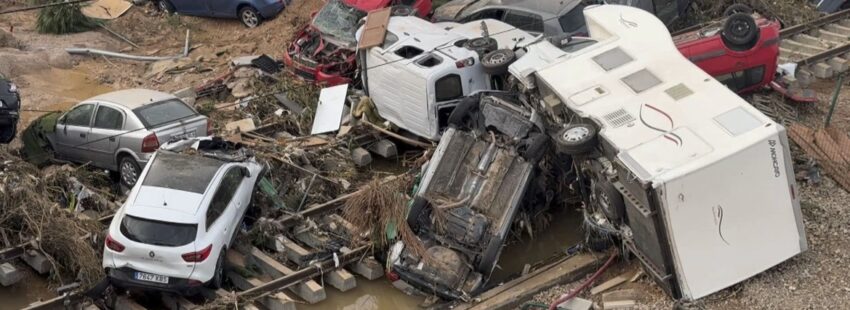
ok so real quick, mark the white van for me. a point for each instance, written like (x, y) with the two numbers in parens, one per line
(697, 184)
(417, 76)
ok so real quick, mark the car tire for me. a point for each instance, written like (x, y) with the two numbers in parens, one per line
(609, 200)
(128, 170)
(166, 6)
(250, 17)
(740, 32)
(402, 10)
(482, 45)
(218, 275)
(596, 241)
(7, 133)
(463, 110)
(576, 139)
(534, 147)
(498, 61)
(737, 8)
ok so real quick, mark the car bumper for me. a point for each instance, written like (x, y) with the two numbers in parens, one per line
(271, 10)
(8, 117)
(313, 74)
(123, 277)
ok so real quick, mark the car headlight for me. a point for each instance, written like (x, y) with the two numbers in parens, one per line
(2, 104)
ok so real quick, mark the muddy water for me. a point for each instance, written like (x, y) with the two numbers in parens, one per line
(378, 294)
(55, 90)
(563, 232)
(31, 289)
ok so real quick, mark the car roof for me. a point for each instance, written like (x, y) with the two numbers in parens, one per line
(133, 98)
(543, 7)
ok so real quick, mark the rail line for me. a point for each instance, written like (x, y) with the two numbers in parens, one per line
(819, 47)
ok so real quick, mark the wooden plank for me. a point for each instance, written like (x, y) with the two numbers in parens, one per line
(612, 282)
(511, 294)
(308, 290)
(376, 28)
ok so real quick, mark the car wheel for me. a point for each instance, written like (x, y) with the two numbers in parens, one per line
(7, 133)
(218, 275)
(165, 6)
(498, 61)
(609, 200)
(596, 241)
(462, 111)
(534, 147)
(737, 8)
(576, 139)
(482, 45)
(740, 32)
(250, 17)
(129, 171)
(402, 10)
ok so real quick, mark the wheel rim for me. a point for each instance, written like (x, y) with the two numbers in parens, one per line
(128, 173)
(497, 58)
(576, 134)
(163, 7)
(740, 29)
(250, 19)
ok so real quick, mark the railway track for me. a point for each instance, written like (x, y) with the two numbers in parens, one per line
(821, 48)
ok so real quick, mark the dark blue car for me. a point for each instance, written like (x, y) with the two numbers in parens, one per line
(250, 12)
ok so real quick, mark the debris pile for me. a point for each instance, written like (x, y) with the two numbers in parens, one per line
(829, 146)
(789, 12)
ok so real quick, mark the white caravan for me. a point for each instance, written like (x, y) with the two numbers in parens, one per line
(417, 76)
(697, 183)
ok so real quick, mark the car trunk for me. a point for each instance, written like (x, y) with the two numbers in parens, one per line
(188, 128)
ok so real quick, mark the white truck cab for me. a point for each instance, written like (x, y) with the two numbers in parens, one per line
(417, 76)
(697, 183)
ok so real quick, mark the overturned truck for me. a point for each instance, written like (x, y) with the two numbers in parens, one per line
(694, 181)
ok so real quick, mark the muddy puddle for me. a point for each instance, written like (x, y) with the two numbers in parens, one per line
(368, 295)
(31, 289)
(55, 90)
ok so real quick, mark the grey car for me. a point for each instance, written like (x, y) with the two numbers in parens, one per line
(121, 130)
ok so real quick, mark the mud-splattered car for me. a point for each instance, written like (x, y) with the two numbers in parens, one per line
(481, 176)
(324, 50)
(10, 107)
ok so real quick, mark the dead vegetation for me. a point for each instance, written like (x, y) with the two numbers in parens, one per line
(789, 12)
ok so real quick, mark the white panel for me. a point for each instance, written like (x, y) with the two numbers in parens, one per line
(329, 109)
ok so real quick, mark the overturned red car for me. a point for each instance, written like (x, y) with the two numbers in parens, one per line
(324, 50)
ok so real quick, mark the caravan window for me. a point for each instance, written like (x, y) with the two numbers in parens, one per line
(448, 88)
(574, 19)
(408, 52)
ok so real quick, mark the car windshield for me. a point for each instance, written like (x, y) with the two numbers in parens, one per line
(338, 20)
(157, 232)
(164, 112)
(182, 172)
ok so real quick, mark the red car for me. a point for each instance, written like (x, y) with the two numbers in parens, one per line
(741, 51)
(324, 50)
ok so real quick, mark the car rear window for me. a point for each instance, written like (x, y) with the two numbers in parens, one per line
(182, 172)
(157, 232)
(164, 112)
(573, 20)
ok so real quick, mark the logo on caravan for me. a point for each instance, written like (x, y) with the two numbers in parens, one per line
(776, 172)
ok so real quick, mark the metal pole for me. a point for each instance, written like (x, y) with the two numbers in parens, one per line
(834, 99)
(30, 8)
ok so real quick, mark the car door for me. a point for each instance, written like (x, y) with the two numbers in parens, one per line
(191, 7)
(488, 13)
(222, 209)
(105, 136)
(447, 90)
(72, 131)
(222, 8)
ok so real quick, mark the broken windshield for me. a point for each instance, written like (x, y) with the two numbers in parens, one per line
(338, 20)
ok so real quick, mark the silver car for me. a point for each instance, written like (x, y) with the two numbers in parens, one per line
(119, 131)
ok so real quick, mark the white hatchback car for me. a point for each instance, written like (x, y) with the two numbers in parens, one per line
(181, 217)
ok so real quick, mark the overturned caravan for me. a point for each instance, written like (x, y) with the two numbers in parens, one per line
(694, 181)
(480, 177)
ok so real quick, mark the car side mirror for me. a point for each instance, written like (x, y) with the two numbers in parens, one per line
(245, 172)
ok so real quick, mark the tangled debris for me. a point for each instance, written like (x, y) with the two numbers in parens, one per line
(789, 12)
(46, 207)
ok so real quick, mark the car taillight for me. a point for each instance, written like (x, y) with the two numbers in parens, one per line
(465, 62)
(197, 257)
(392, 276)
(150, 143)
(209, 127)
(114, 245)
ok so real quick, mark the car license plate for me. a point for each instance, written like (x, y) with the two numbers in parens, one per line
(149, 277)
(187, 135)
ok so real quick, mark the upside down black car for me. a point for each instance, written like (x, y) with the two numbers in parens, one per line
(10, 108)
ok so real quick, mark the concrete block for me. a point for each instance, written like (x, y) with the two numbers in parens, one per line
(361, 157)
(385, 148)
(845, 31)
(838, 64)
(125, 303)
(576, 304)
(833, 36)
(367, 267)
(278, 301)
(810, 40)
(9, 274)
(822, 71)
(294, 252)
(801, 47)
(309, 290)
(37, 261)
(341, 279)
